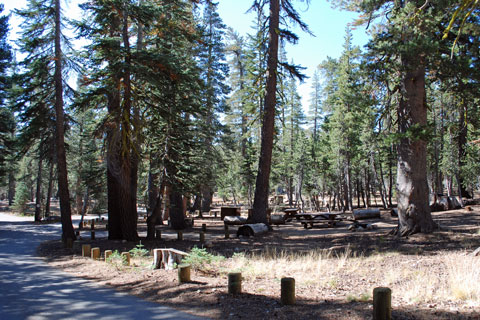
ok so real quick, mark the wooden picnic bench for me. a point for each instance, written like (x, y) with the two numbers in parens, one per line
(309, 219)
(290, 213)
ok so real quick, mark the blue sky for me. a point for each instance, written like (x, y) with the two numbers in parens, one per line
(327, 24)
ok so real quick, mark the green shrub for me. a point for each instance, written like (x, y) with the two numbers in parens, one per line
(139, 251)
(201, 260)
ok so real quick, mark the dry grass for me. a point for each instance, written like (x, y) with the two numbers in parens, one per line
(453, 277)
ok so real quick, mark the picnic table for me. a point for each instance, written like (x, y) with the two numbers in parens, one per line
(309, 219)
(290, 213)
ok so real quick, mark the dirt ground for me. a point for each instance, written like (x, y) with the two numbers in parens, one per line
(207, 294)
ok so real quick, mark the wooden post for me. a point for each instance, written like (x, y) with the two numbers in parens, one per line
(288, 291)
(235, 283)
(382, 303)
(77, 233)
(184, 273)
(107, 254)
(204, 227)
(158, 234)
(227, 233)
(95, 253)
(86, 250)
(202, 237)
(106, 226)
(92, 235)
(179, 235)
(69, 243)
(93, 225)
(126, 257)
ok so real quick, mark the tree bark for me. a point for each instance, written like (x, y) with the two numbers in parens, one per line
(177, 216)
(38, 193)
(260, 203)
(412, 188)
(50, 189)
(65, 210)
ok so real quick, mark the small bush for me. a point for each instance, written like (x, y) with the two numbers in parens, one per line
(139, 251)
(117, 259)
(201, 260)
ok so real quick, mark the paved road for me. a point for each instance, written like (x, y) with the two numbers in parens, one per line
(30, 289)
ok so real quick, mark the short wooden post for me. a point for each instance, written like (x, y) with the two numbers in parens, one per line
(92, 226)
(86, 250)
(202, 237)
(158, 234)
(179, 235)
(77, 233)
(288, 291)
(96, 253)
(235, 283)
(227, 233)
(106, 226)
(107, 254)
(126, 258)
(184, 273)
(92, 235)
(69, 243)
(382, 303)
(204, 227)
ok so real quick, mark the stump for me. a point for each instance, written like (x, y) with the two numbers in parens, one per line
(179, 235)
(382, 303)
(288, 291)
(235, 283)
(202, 237)
(126, 258)
(95, 253)
(166, 258)
(184, 273)
(69, 243)
(227, 233)
(92, 235)
(158, 234)
(86, 250)
(204, 227)
(107, 254)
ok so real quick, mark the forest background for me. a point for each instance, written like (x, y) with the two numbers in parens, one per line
(169, 102)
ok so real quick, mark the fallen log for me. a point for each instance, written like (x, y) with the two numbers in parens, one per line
(277, 219)
(234, 220)
(252, 229)
(360, 214)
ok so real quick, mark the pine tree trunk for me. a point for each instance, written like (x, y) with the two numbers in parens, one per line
(260, 203)
(38, 193)
(128, 156)
(462, 154)
(412, 197)
(51, 178)
(65, 210)
(177, 216)
(207, 196)
(11, 188)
